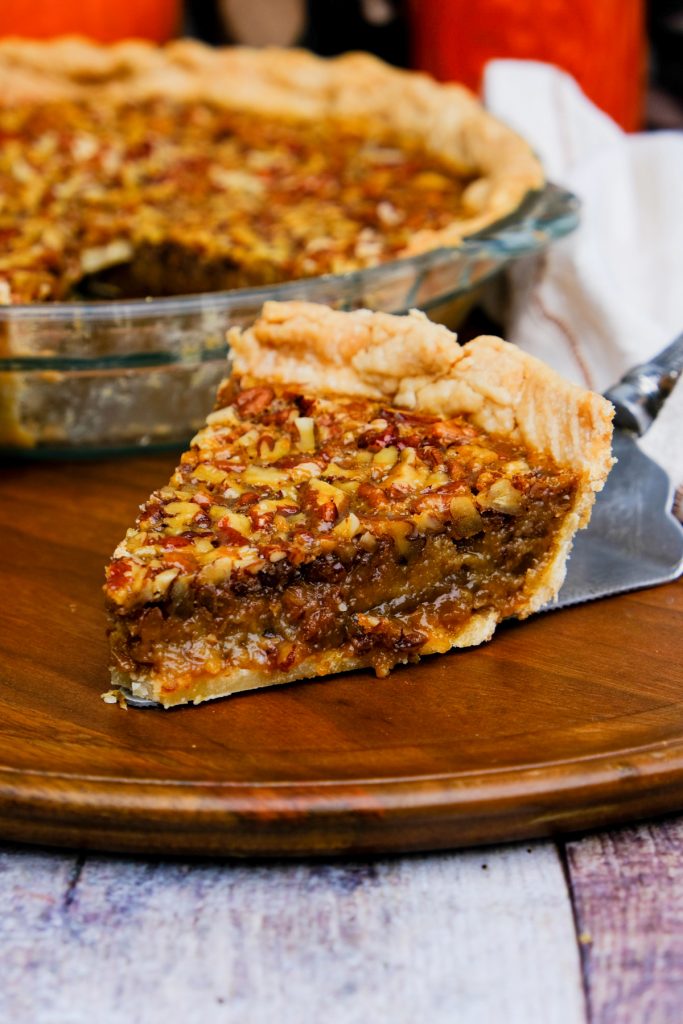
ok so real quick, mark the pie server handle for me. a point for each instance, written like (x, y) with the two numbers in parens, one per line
(642, 391)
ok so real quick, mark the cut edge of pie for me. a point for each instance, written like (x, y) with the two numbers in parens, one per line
(300, 352)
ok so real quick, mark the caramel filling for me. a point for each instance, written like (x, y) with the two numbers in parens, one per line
(376, 606)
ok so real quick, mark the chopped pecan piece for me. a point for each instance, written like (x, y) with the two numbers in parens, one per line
(253, 401)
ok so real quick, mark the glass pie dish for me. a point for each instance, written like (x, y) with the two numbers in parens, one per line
(92, 378)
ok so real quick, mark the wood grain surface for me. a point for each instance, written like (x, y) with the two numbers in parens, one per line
(474, 938)
(566, 721)
(628, 894)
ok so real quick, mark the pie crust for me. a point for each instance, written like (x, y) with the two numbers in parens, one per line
(484, 460)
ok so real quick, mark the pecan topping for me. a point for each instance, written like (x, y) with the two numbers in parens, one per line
(228, 534)
(327, 512)
(254, 401)
(276, 481)
(375, 440)
(448, 432)
(372, 495)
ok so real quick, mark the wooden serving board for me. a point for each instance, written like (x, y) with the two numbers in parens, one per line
(571, 720)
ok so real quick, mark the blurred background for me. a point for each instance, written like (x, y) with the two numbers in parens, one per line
(627, 55)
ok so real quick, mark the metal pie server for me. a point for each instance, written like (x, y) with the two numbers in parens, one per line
(633, 539)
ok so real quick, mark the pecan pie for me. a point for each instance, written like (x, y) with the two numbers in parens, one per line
(132, 170)
(365, 492)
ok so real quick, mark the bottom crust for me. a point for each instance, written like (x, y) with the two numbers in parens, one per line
(478, 629)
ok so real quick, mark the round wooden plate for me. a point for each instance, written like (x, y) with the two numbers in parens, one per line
(568, 721)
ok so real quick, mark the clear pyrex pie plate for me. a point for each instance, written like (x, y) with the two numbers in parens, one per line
(81, 378)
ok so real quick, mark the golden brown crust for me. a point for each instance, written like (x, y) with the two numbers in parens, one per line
(416, 364)
(447, 119)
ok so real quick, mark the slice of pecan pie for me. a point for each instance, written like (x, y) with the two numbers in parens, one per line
(366, 492)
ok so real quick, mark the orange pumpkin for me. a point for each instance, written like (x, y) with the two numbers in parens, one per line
(157, 20)
(600, 42)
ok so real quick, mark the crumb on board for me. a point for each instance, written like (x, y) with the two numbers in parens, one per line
(115, 697)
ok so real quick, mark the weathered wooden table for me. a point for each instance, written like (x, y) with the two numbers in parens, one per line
(555, 933)
(591, 930)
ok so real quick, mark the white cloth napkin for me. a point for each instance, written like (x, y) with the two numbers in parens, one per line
(611, 295)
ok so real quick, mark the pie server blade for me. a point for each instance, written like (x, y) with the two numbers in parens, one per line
(633, 539)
